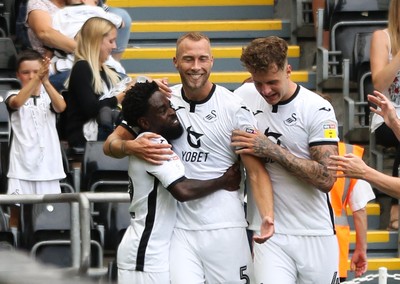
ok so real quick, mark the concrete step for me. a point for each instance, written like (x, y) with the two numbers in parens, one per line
(378, 241)
(145, 58)
(215, 29)
(232, 80)
(144, 10)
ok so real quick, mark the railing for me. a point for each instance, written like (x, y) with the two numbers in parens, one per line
(80, 220)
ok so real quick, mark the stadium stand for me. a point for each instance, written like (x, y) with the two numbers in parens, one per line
(348, 22)
(46, 229)
(101, 173)
(230, 26)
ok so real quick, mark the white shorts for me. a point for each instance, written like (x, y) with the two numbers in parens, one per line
(19, 186)
(133, 276)
(211, 256)
(288, 259)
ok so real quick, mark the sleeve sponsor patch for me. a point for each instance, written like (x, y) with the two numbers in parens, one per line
(330, 130)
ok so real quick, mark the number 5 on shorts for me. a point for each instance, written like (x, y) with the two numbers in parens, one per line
(243, 274)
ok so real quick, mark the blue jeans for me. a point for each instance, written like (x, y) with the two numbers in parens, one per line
(58, 80)
(124, 33)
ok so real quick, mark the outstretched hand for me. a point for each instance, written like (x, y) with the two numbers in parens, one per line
(384, 108)
(266, 231)
(349, 165)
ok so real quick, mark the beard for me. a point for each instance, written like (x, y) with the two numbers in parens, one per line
(172, 133)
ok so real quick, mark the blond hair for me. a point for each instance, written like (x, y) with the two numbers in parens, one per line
(89, 40)
(394, 25)
(193, 36)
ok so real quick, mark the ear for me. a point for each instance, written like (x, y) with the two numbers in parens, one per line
(175, 62)
(288, 70)
(143, 123)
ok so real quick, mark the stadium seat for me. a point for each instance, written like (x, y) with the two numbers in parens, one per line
(344, 21)
(7, 241)
(356, 110)
(45, 230)
(101, 173)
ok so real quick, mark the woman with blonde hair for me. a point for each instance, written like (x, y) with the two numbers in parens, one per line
(93, 87)
(385, 69)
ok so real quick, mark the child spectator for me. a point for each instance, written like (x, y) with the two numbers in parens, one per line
(35, 165)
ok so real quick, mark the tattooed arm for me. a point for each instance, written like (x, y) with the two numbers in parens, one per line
(312, 171)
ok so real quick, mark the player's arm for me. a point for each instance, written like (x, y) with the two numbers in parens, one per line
(359, 263)
(261, 188)
(122, 143)
(188, 189)
(313, 171)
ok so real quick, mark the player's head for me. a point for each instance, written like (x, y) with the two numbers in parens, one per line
(28, 65)
(194, 60)
(266, 60)
(146, 107)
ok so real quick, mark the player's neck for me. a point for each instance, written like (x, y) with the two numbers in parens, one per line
(198, 94)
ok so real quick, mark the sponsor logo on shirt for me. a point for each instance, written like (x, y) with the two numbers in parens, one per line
(291, 120)
(212, 116)
(329, 129)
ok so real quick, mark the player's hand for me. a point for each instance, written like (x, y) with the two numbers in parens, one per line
(144, 148)
(232, 178)
(267, 230)
(163, 86)
(359, 263)
(256, 144)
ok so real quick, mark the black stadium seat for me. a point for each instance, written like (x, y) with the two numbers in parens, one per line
(101, 173)
(46, 229)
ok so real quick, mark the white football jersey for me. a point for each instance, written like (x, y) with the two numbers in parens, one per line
(145, 246)
(304, 120)
(205, 150)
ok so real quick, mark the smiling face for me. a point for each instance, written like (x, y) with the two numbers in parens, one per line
(274, 85)
(161, 117)
(194, 62)
(107, 45)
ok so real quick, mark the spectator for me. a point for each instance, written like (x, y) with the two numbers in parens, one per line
(69, 20)
(352, 166)
(91, 85)
(385, 65)
(123, 33)
(43, 36)
(146, 108)
(35, 165)
(209, 243)
(297, 132)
